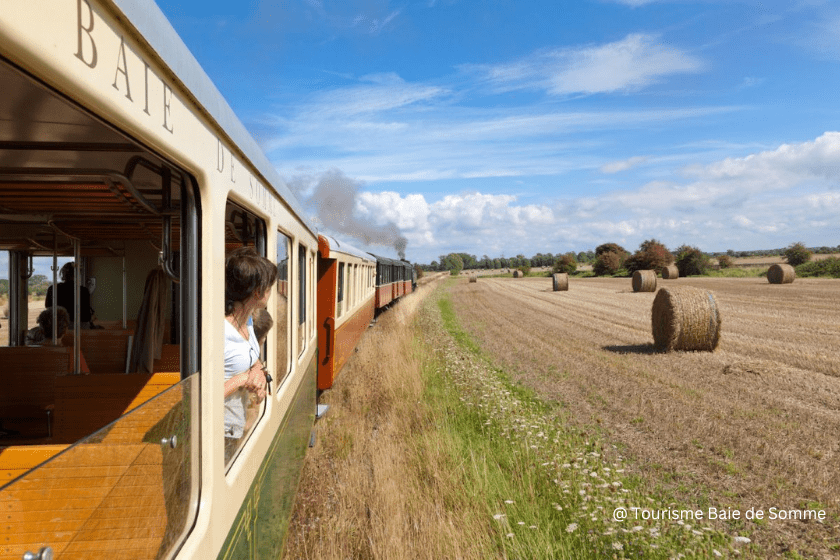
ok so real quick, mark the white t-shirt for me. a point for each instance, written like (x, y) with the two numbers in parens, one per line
(240, 355)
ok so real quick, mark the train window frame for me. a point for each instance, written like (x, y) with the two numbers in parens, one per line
(254, 228)
(302, 297)
(340, 289)
(284, 368)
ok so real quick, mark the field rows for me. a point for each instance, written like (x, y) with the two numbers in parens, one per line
(754, 423)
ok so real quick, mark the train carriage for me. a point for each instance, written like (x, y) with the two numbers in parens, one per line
(345, 304)
(117, 153)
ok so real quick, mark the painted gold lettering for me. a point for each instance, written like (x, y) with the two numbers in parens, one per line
(220, 156)
(122, 70)
(167, 100)
(146, 78)
(80, 54)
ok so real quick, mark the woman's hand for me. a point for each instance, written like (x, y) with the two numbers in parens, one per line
(256, 380)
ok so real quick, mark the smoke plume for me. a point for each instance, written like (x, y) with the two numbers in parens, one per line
(334, 198)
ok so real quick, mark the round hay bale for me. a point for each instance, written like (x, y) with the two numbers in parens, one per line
(517, 274)
(670, 272)
(781, 274)
(473, 279)
(685, 318)
(644, 281)
(561, 282)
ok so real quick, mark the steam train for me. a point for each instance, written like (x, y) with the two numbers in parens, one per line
(118, 153)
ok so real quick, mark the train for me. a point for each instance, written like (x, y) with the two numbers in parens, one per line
(117, 153)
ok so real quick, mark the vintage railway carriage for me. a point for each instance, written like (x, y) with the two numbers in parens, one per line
(345, 304)
(394, 279)
(118, 153)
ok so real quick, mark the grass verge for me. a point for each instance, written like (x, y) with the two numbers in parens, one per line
(550, 489)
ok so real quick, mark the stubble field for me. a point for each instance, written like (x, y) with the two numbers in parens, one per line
(753, 424)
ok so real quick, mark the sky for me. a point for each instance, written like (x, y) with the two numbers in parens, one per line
(501, 127)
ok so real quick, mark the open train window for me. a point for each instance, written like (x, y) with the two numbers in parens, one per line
(245, 235)
(340, 298)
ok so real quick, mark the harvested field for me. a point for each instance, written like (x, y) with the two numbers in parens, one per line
(753, 424)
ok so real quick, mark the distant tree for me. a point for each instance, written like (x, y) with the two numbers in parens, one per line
(525, 269)
(497, 263)
(652, 255)
(419, 271)
(608, 262)
(611, 247)
(724, 261)
(797, 254)
(691, 261)
(565, 263)
(453, 263)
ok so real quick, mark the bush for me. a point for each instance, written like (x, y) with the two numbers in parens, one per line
(607, 263)
(691, 261)
(724, 261)
(825, 267)
(566, 263)
(525, 270)
(652, 255)
(797, 254)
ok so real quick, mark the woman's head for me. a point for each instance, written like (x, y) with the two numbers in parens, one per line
(45, 321)
(66, 272)
(247, 275)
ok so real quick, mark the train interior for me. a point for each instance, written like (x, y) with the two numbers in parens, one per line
(106, 409)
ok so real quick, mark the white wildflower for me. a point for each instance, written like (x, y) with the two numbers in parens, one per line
(716, 553)
(499, 516)
(617, 546)
(508, 501)
(571, 527)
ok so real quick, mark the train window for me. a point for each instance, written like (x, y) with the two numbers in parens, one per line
(243, 407)
(281, 309)
(340, 298)
(313, 296)
(302, 288)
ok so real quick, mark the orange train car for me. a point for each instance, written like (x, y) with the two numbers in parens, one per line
(345, 304)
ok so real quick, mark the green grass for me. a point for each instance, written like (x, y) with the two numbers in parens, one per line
(548, 489)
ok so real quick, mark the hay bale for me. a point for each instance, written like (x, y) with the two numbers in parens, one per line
(473, 279)
(561, 282)
(644, 281)
(685, 318)
(670, 272)
(781, 274)
(517, 274)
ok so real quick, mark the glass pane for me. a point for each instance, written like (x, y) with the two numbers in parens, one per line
(281, 313)
(302, 292)
(131, 487)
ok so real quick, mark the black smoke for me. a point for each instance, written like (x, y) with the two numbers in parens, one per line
(334, 198)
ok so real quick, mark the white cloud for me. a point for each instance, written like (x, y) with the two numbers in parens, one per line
(624, 165)
(633, 63)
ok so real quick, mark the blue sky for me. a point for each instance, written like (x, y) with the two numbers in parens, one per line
(504, 127)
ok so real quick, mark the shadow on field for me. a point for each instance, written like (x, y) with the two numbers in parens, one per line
(648, 348)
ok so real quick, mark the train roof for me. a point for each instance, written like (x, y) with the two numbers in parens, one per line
(395, 262)
(328, 245)
(159, 34)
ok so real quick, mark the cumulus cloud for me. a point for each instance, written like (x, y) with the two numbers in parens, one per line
(762, 200)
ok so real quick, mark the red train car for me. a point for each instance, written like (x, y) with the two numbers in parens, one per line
(346, 299)
(394, 279)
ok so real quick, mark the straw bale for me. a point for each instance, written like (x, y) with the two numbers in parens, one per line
(670, 272)
(685, 318)
(517, 274)
(561, 282)
(473, 279)
(781, 274)
(644, 281)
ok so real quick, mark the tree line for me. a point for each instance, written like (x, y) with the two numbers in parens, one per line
(613, 259)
